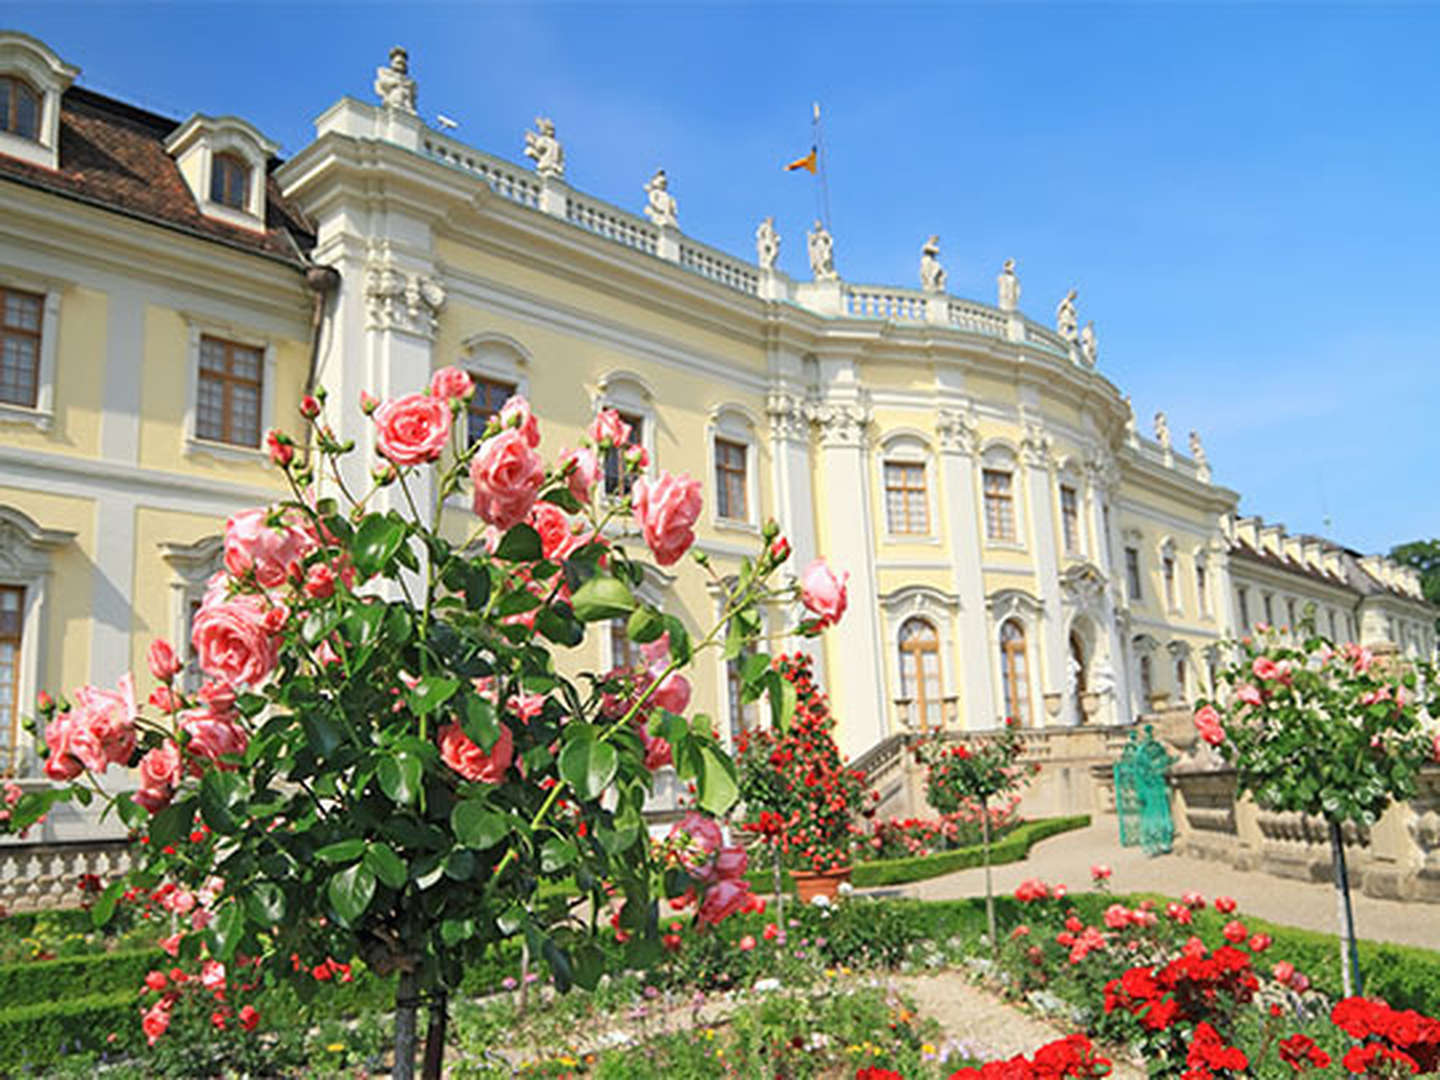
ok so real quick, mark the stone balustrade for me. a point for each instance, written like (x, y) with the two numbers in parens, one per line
(34, 876)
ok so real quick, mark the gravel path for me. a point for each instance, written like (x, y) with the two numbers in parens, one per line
(1068, 857)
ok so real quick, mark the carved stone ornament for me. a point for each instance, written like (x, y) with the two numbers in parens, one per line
(1162, 431)
(1202, 462)
(1008, 287)
(1067, 321)
(1012, 603)
(1089, 348)
(1083, 587)
(24, 546)
(932, 274)
(393, 84)
(767, 244)
(396, 300)
(958, 430)
(660, 205)
(841, 423)
(821, 247)
(1037, 446)
(789, 416)
(542, 147)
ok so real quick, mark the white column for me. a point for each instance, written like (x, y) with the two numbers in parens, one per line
(849, 537)
(1039, 480)
(1099, 492)
(958, 437)
(794, 494)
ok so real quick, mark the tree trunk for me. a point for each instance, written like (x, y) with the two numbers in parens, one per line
(989, 888)
(524, 974)
(1349, 957)
(435, 1036)
(405, 1005)
(779, 891)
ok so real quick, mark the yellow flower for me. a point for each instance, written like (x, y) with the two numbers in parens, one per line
(335, 1048)
(926, 1048)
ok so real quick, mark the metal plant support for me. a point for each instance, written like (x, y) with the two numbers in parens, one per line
(1142, 795)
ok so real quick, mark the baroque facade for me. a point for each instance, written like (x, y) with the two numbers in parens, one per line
(1015, 546)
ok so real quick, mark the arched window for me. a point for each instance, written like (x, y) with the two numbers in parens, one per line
(229, 181)
(1013, 673)
(920, 670)
(19, 108)
(1079, 676)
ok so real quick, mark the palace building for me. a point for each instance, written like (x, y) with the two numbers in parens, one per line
(1015, 545)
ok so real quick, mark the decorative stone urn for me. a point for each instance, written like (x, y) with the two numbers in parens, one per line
(1052, 705)
(1089, 704)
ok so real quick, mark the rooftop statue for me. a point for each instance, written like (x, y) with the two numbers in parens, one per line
(1009, 287)
(1067, 322)
(545, 150)
(1132, 437)
(1162, 431)
(767, 244)
(1202, 462)
(1089, 348)
(393, 84)
(932, 274)
(822, 253)
(661, 208)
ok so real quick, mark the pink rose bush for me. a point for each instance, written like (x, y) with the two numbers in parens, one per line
(384, 735)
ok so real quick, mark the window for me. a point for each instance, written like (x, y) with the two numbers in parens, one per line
(1078, 678)
(1070, 519)
(1012, 671)
(1349, 627)
(1147, 682)
(1179, 679)
(12, 618)
(191, 676)
(490, 395)
(623, 652)
(730, 480)
(229, 181)
(20, 315)
(1202, 588)
(742, 713)
(907, 509)
(1334, 629)
(1269, 601)
(920, 671)
(19, 108)
(1132, 573)
(616, 480)
(1290, 613)
(1167, 569)
(228, 403)
(1243, 595)
(999, 506)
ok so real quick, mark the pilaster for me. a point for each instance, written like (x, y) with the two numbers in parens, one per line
(1037, 453)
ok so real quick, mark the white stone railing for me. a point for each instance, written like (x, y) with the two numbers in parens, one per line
(506, 180)
(1035, 334)
(47, 875)
(877, 302)
(976, 318)
(717, 266)
(613, 224)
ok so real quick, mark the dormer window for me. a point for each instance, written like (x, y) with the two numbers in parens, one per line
(230, 181)
(19, 108)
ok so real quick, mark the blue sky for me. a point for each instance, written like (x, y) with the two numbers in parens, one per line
(1246, 197)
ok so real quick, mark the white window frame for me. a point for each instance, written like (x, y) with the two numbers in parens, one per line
(204, 137)
(1004, 605)
(941, 610)
(191, 568)
(201, 327)
(1203, 583)
(1068, 478)
(912, 448)
(25, 554)
(734, 424)
(32, 60)
(42, 416)
(1000, 456)
(1171, 589)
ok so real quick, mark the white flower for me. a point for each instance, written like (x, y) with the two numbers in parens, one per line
(820, 901)
(846, 888)
(764, 985)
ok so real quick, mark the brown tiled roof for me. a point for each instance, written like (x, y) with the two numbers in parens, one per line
(113, 155)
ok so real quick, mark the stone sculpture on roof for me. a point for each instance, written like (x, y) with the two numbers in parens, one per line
(1089, 348)
(822, 253)
(1008, 287)
(1202, 462)
(1067, 322)
(393, 84)
(932, 274)
(767, 244)
(1162, 431)
(660, 207)
(545, 150)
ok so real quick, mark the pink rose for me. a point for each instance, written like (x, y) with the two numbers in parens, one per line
(160, 772)
(1117, 917)
(233, 641)
(730, 864)
(60, 763)
(155, 1021)
(506, 475)
(1207, 723)
(279, 447)
(164, 664)
(272, 554)
(516, 414)
(1099, 872)
(1249, 695)
(673, 694)
(101, 726)
(1283, 972)
(557, 540)
(696, 839)
(666, 509)
(581, 469)
(214, 737)
(1264, 668)
(451, 382)
(823, 593)
(309, 406)
(467, 759)
(658, 751)
(212, 975)
(1234, 932)
(1225, 904)
(722, 900)
(320, 581)
(608, 429)
(413, 429)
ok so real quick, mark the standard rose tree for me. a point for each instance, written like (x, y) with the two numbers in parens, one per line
(1329, 732)
(382, 746)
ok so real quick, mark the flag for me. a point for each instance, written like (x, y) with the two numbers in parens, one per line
(806, 162)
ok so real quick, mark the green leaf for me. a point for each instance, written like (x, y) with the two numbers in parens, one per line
(589, 966)
(104, 907)
(454, 931)
(226, 930)
(342, 850)
(562, 498)
(679, 640)
(388, 866)
(520, 544)
(477, 826)
(556, 854)
(376, 543)
(350, 892)
(718, 787)
(221, 798)
(399, 775)
(480, 724)
(602, 597)
(559, 965)
(587, 765)
(266, 904)
(782, 702)
(556, 624)
(430, 693)
(171, 823)
(645, 625)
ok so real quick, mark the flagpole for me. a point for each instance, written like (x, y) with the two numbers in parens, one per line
(822, 192)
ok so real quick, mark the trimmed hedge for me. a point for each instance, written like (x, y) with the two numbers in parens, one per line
(1013, 847)
(40, 1034)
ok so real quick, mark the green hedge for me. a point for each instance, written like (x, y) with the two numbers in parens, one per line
(76, 976)
(39, 1034)
(1013, 847)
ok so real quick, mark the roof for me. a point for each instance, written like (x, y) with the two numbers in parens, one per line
(1353, 575)
(113, 155)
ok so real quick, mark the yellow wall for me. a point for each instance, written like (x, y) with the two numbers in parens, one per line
(79, 380)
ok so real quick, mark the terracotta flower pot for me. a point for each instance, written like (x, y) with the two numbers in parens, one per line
(812, 883)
